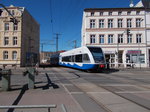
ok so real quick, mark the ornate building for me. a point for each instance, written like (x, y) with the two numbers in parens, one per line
(123, 34)
(19, 43)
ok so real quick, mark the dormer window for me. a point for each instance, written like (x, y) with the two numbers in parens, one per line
(119, 13)
(129, 13)
(109, 13)
(101, 13)
(137, 12)
(13, 12)
(92, 13)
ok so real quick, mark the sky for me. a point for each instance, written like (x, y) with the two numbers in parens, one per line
(63, 17)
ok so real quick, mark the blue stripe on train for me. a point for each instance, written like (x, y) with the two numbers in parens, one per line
(83, 67)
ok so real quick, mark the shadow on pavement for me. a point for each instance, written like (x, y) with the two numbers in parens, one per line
(108, 71)
(49, 84)
(23, 90)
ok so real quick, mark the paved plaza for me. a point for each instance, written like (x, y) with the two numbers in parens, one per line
(125, 90)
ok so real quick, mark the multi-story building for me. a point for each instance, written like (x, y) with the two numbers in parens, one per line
(45, 56)
(123, 34)
(19, 43)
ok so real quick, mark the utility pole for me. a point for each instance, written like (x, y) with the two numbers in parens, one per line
(75, 43)
(57, 37)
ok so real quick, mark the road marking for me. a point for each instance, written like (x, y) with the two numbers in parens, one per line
(119, 92)
(76, 92)
(133, 92)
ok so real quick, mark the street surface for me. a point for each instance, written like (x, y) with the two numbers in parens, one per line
(126, 90)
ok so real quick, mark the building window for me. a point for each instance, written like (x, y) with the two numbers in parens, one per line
(129, 13)
(6, 40)
(137, 12)
(15, 27)
(92, 23)
(120, 38)
(138, 22)
(129, 23)
(119, 23)
(110, 23)
(14, 40)
(101, 13)
(129, 38)
(138, 38)
(92, 39)
(109, 13)
(14, 55)
(12, 12)
(110, 39)
(136, 58)
(119, 13)
(101, 23)
(5, 55)
(6, 26)
(92, 13)
(101, 39)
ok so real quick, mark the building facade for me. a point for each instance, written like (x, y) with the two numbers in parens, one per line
(123, 34)
(19, 44)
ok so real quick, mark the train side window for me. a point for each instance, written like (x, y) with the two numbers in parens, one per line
(73, 58)
(66, 59)
(63, 58)
(86, 58)
(78, 58)
(69, 58)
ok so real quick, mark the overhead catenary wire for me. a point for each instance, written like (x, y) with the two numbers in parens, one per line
(51, 16)
(75, 11)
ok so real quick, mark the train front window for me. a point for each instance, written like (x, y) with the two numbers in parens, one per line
(86, 58)
(97, 54)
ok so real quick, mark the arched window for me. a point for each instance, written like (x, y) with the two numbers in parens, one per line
(14, 55)
(5, 55)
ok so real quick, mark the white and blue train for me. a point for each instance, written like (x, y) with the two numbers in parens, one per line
(85, 58)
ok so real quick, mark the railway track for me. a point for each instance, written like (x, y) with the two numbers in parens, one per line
(79, 75)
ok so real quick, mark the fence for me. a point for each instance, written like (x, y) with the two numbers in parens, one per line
(28, 106)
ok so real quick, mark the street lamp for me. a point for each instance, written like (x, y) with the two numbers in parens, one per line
(146, 4)
(139, 41)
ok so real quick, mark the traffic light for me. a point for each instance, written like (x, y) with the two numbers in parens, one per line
(128, 31)
(1, 12)
(14, 21)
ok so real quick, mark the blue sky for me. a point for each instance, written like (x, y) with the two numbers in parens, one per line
(63, 17)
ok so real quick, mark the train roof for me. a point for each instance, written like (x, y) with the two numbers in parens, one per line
(79, 50)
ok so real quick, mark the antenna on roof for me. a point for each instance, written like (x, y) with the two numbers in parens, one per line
(131, 3)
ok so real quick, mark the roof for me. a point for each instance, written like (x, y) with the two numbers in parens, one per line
(113, 9)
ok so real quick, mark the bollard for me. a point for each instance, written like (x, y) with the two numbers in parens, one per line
(6, 79)
(31, 78)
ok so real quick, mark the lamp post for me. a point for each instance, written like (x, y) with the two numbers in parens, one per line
(146, 4)
(139, 42)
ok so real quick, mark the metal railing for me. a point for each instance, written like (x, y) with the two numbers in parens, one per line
(28, 107)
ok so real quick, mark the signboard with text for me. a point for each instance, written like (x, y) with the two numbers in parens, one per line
(134, 52)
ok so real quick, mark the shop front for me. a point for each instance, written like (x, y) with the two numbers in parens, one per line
(135, 57)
